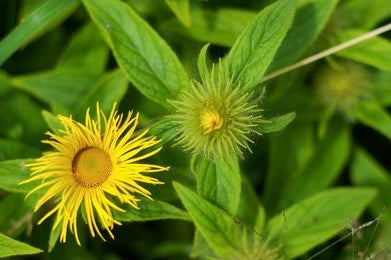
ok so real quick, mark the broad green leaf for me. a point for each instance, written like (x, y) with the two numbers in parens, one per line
(181, 9)
(110, 88)
(310, 19)
(289, 151)
(276, 124)
(12, 173)
(365, 171)
(373, 115)
(256, 46)
(144, 56)
(52, 121)
(324, 166)
(151, 210)
(217, 227)
(12, 149)
(33, 25)
(165, 129)
(318, 218)
(58, 87)
(363, 14)
(14, 219)
(373, 51)
(219, 182)
(221, 26)
(11, 247)
(86, 52)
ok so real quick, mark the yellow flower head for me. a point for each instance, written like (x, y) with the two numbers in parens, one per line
(92, 164)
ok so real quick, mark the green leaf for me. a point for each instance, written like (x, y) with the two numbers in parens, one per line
(57, 87)
(221, 26)
(363, 14)
(310, 19)
(86, 52)
(373, 51)
(276, 124)
(248, 204)
(289, 151)
(13, 220)
(52, 121)
(11, 247)
(324, 166)
(202, 63)
(181, 9)
(53, 237)
(151, 210)
(144, 56)
(219, 182)
(381, 87)
(365, 171)
(256, 46)
(165, 129)
(219, 229)
(318, 218)
(12, 173)
(110, 87)
(12, 149)
(45, 15)
(373, 115)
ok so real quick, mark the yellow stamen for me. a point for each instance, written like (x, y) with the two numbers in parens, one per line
(91, 167)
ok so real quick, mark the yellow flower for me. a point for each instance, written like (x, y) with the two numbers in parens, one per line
(94, 165)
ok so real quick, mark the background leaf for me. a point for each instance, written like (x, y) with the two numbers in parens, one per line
(32, 25)
(318, 218)
(11, 247)
(146, 59)
(256, 46)
(12, 173)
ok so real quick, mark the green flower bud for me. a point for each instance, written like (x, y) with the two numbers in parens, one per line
(216, 118)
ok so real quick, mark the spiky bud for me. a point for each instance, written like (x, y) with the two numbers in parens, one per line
(216, 118)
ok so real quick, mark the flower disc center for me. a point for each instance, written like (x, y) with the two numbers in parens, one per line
(210, 121)
(91, 166)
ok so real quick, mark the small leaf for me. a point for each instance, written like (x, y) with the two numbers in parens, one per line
(164, 129)
(181, 9)
(256, 46)
(202, 63)
(12, 173)
(219, 229)
(276, 124)
(219, 182)
(318, 218)
(46, 14)
(142, 54)
(52, 121)
(373, 51)
(54, 235)
(11, 247)
(373, 115)
(151, 210)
